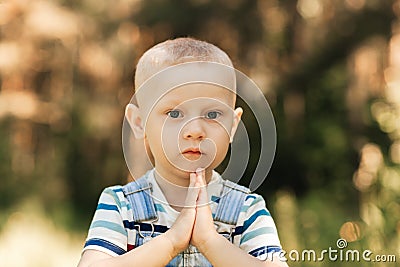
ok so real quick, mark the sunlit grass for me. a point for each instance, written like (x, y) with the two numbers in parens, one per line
(30, 239)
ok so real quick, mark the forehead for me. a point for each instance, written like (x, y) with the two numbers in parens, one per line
(188, 80)
(197, 93)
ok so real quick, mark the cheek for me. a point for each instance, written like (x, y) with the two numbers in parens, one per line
(153, 137)
(169, 133)
(222, 146)
(221, 131)
(169, 139)
(226, 124)
(220, 138)
(160, 129)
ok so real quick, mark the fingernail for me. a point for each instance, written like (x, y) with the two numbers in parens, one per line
(199, 170)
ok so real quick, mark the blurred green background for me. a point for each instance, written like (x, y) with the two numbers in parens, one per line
(330, 69)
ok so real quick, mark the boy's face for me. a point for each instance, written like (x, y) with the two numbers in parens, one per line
(191, 127)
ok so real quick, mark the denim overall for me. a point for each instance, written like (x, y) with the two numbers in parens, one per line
(139, 196)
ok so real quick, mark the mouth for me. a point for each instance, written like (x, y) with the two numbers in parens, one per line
(192, 152)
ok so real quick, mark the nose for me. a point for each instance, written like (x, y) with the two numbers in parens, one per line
(193, 130)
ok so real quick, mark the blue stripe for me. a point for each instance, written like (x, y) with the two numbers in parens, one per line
(253, 217)
(244, 208)
(162, 229)
(145, 226)
(215, 199)
(266, 249)
(159, 207)
(105, 244)
(256, 200)
(260, 231)
(113, 193)
(124, 205)
(238, 230)
(103, 206)
(109, 225)
(250, 196)
(129, 225)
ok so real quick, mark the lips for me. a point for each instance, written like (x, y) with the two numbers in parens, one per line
(192, 151)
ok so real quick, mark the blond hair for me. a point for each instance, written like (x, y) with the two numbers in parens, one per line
(176, 51)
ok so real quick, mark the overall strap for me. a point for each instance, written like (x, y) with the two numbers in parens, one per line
(139, 196)
(230, 202)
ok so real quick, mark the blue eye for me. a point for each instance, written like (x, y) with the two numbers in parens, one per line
(212, 115)
(174, 114)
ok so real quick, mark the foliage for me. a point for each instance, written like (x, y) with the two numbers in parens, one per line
(327, 68)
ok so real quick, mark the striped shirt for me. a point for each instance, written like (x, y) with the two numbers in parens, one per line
(111, 229)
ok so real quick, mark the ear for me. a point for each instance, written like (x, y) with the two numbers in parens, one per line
(134, 119)
(237, 115)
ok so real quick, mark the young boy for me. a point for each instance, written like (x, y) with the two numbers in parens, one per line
(182, 213)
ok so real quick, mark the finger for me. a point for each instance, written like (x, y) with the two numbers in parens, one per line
(203, 195)
(192, 179)
(201, 175)
(192, 191)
